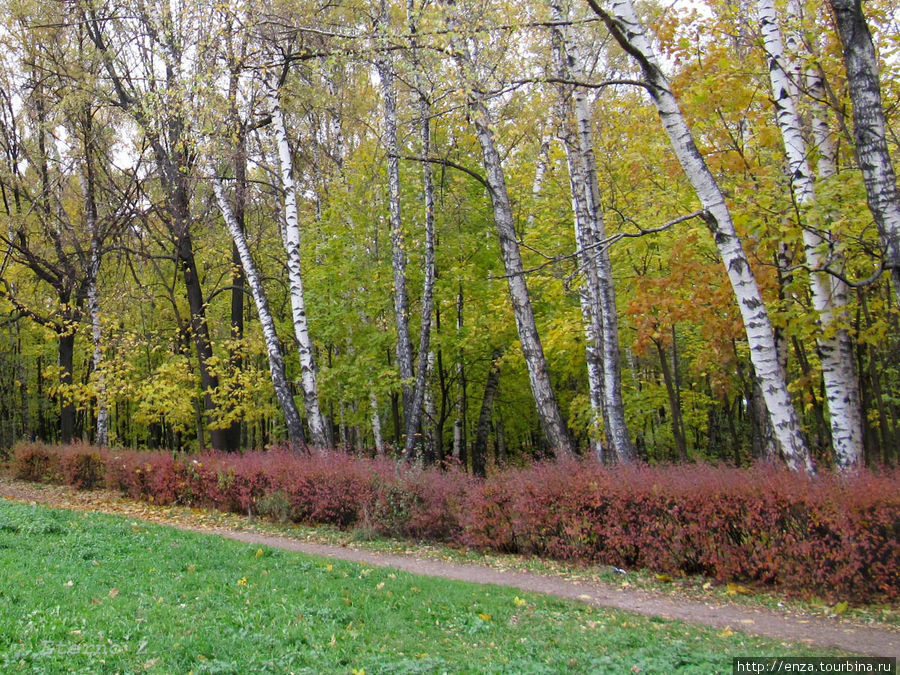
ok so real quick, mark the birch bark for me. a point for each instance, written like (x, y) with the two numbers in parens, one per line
(398, 249)
(317, 430)
(838, 364)
(414, 414)
(590, 232)
(869, 129)
(90, 213)
(622, 21)
(551, 420)
(273, 347)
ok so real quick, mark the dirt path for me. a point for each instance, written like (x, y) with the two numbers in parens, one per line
(810, 630)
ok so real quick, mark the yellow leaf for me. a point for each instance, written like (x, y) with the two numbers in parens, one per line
(840, 608)
(242, 581)
(484, 617)
(519, 602)
(665, 578)
(259, 553)
(737, 589)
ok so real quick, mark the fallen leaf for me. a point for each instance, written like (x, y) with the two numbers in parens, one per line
(737, 589)
(113, 592)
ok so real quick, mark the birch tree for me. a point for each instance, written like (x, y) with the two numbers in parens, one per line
(598, 299)
(869, 129)
(833, 342)
(414, 413)
(308, 384)
(404, 352)
(273, 346)
(621, 19)
(552, 423)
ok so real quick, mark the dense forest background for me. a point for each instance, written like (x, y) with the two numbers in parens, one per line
(228, 225)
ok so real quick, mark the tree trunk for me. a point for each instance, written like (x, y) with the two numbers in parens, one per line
(233, 432)
(317, 430)
(623, 24)
(590, 232)
(551, 420)
(398, 248)
(376, 424)
(479, 449)
(835, 353)
(66, 356)
(459, 422)
(93, 272)
(869, 129)
(273, 346)
(414, 414)
(674, 403)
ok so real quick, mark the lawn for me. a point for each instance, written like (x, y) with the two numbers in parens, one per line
(96, 593)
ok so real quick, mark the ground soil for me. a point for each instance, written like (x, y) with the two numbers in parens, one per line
(786, 626)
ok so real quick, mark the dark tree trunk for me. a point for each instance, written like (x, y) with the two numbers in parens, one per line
(479, 449)
(66, 354)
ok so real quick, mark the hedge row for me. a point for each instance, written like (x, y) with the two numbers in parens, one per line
(833, 537)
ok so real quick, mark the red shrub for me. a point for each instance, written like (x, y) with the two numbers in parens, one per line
(35, 462)
(829, 536)
(82, 466)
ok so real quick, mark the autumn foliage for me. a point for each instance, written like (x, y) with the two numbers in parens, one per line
(838, 538)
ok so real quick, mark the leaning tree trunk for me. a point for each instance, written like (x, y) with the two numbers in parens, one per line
(838, 363)
(550, 417)
(861, 64)
(398, 248)
(621, 19)
(317, 429)
(273, 346)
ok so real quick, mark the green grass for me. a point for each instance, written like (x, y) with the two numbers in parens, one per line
(95, 593)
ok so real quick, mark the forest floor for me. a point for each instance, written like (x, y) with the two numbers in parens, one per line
(870, 631)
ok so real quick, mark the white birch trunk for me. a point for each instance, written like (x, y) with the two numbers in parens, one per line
(96, 337)
(590, 232)
(90, 211)
(317, 427)
(548, 411)
(869, 129)
(538, 184)
(376, 423)
(414, 414)
(398, 248)
(273, 347)
(620, 18)
(460, 406)
(838, 366)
